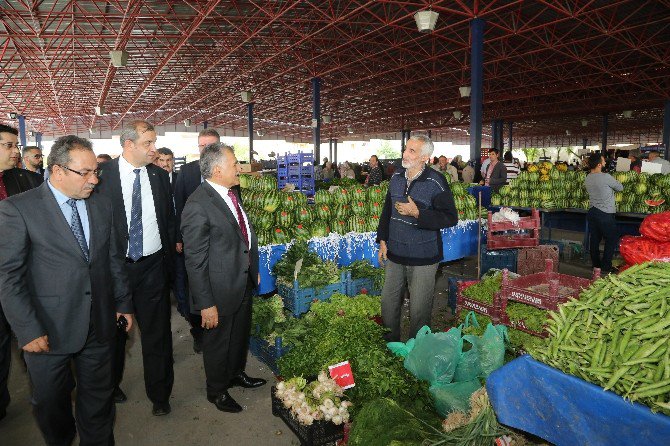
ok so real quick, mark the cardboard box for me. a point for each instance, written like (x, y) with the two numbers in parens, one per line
(251, 167)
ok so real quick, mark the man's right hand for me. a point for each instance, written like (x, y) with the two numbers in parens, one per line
(179, 248)
(39, 345)
(381, 256)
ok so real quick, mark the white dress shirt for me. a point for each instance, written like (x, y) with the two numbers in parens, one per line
(151, 239)
(223, 191)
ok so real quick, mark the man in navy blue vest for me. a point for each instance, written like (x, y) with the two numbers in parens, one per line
(418, 204)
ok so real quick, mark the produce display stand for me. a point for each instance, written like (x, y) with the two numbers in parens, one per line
(457, 242)
(317, 434)
(298, 300)
(567, 411)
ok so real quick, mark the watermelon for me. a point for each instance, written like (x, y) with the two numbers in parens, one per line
(375, 208)
(301, 232)
(358, 193)
(654, 202)
(341, 196)
(271, 201)
(319, 228)
(280, 236)
(245, 181)
(267, 182)
(324, 211)
(359, 208)
(338, 225)
(375, 193)
(357, 224)
(303, 214)
(496, 199)
(264, 238)
(284, 218)
(323, 197)
(342, 211)
(640, 188)
(372, 223)
(458, 189)
(263, 221)
(290, 200)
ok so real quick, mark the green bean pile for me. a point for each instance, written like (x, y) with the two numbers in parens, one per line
(617, 335)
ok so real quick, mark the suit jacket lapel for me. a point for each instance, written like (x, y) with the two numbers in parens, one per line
(112, 174)
(159, 198)
(61, 225)
(220, 203)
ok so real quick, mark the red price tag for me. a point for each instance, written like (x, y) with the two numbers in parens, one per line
(342, 374)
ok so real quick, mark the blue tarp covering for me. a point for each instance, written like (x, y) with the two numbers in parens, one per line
(568, 411)
(486, 194)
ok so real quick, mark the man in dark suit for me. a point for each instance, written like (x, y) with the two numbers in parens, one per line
(165, 160)
(32, 160)
(144, 219)
(12, 181)
(188, 181)
(221, 253)
(65, 311)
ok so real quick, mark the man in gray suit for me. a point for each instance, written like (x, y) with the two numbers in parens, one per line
(63, 290)
(221, 252)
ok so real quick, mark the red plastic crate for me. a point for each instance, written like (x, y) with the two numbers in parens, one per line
(506, 241)
(530, 260)
(532, 222)
(530, 235)
(492, 311)
(548, 296)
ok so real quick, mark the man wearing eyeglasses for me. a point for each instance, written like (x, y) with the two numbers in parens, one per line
(13, 181)
(63, 290)
(144, 217)
(32, 160)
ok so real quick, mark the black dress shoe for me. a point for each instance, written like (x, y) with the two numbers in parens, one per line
(119, 396)
(161, 409)
(242, 380)
(224, 402)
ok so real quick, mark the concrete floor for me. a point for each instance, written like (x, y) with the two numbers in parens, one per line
(194, 421)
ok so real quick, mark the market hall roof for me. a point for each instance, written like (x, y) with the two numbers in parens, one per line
(548, 65)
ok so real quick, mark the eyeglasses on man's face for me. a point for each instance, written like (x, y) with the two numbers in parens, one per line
(85, 174)
(9, 145)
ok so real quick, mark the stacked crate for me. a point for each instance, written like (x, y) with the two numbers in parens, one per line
(531, 260)
(296, 169)
(520, 234)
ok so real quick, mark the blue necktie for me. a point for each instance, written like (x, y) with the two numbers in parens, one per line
(135, 232)
(77, 228)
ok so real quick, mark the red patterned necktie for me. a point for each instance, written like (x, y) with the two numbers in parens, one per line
(240, 217)
(3, 189)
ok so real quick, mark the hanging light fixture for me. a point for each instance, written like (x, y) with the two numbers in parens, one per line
(187, 123)
(458, 114)
(465, 91)
(627, 113)
(100, 110)
(246, 96)
(426, 20)
(326, 119)
(585, 122)
(350, 129)
(119, 58)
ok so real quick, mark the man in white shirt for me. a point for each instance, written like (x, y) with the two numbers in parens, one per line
(221, 252)
(144, 217)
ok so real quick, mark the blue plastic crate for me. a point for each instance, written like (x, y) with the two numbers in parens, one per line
(282, 183)
(498, 259)
(294, 170)
(298, 300)
(354, 287)
(307, 170)
(282, 171)
(299, 158)
(266, 353)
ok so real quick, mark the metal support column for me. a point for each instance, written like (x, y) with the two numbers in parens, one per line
(205, 124)
(510, 126)
(38, 139)
(335, 153)
(584, 141)
(250, 129)
(330, 150)
(316, 117)
(22, 130)
(476, 91)
(666, 129)
(604, 135)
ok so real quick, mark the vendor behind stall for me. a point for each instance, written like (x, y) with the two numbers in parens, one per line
(601, 216)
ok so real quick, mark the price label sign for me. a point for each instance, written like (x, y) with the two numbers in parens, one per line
(342, 374)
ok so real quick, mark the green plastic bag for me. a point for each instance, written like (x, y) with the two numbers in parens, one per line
(469, 367)
(454, 396)
(435, 355)
(492, 349)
